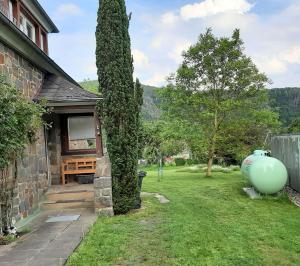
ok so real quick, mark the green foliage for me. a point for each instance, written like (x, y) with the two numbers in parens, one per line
(287, 102)
(90, 85)
(6, 240)
(218, 99)
(191, 161)
(180, 161)
(19, 121)
(294, 127)
(121, 100)
(150, 111)
(158, 140)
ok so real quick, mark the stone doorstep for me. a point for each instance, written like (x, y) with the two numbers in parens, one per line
(68, 192)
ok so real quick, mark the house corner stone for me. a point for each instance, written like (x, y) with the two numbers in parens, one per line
(103, 188)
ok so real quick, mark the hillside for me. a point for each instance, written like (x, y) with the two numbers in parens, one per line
(149, 110)
(287, 102)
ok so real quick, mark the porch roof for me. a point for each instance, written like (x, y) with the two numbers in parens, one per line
(58, 90)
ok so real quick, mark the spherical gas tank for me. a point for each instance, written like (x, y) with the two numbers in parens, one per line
(268, 175)
(246, 165)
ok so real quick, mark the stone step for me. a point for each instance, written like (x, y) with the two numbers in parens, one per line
(70, 195)
(68, 204)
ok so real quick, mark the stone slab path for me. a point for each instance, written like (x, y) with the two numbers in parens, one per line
(48, 244)
(162, 199)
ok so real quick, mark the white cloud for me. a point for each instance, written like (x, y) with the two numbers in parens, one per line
(169, 18)
(176, 53)
(212, 7)
(140, 59)
(271, 65)
(273, 41)
(292, 56)
(158, 79)
(68, 10)
(157, 42)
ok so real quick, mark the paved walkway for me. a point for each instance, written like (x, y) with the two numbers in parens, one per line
(49, 243)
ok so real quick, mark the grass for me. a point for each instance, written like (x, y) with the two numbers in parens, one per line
(208, 222)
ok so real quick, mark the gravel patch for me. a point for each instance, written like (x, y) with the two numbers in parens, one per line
(294, 196)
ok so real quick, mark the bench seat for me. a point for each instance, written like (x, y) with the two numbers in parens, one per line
(76, 166)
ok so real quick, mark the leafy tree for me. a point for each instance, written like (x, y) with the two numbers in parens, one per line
(121, 100)
(159, 139)
(217, 89)
(19, 121)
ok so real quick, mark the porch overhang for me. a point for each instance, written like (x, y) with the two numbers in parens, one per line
(72, 108)
(63, 95)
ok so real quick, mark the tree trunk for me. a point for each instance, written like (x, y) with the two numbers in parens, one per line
(213, 145)
(209, 166)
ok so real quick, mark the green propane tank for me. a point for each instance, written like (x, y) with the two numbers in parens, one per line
(267, 174)
(250, 160)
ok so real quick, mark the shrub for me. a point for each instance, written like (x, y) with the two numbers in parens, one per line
(191, 161)
(180, 162)
(226, 170)
(235, 168)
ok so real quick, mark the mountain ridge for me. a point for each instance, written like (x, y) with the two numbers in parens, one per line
(284, 100)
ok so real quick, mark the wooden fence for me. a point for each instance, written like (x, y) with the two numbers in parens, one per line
(286, 148)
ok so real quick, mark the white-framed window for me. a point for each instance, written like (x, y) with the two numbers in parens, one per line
(27, 27)
(81, 131)
(10, 10)
(42, 40)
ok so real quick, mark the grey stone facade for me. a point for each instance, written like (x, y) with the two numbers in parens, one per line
(32, 176)
(21, 73)
(54, 147)
(103, 188)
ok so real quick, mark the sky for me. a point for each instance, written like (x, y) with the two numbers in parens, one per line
(162, 29)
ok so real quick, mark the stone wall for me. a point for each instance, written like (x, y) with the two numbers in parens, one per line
(32, 168)
(32, 181)
(103, 188)
(21, 73)
(54, 147)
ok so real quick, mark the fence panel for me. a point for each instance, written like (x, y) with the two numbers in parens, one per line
(286, 148)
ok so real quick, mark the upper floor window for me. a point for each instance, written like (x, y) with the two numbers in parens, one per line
(42, 40)
(10, 10)
(27, 27)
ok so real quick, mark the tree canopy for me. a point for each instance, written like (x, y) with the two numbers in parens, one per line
(219, 95)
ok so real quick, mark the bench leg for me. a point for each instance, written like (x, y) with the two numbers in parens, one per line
(63, 179)
(63, 176)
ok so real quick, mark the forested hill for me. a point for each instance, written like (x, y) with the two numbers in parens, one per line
(287, 102)
(149, 111)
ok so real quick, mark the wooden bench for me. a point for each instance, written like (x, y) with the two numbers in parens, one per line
(77, 166)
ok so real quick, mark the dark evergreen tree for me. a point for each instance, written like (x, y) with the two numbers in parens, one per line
(121, 100)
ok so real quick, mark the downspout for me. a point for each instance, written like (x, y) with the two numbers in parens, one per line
(47, 156)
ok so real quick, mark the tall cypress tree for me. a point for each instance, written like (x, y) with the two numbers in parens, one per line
(119, 107)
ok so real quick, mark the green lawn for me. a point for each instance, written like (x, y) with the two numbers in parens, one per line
(208, 222)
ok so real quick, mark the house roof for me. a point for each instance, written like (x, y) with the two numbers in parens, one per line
(44, 13)
(12, 36)
(57, 89)
(34, 4)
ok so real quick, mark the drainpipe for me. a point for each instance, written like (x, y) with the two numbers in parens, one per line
(47, 156)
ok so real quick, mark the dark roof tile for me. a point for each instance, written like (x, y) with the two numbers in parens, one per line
(58, 89)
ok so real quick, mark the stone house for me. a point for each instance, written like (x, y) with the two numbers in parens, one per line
(75, 131)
